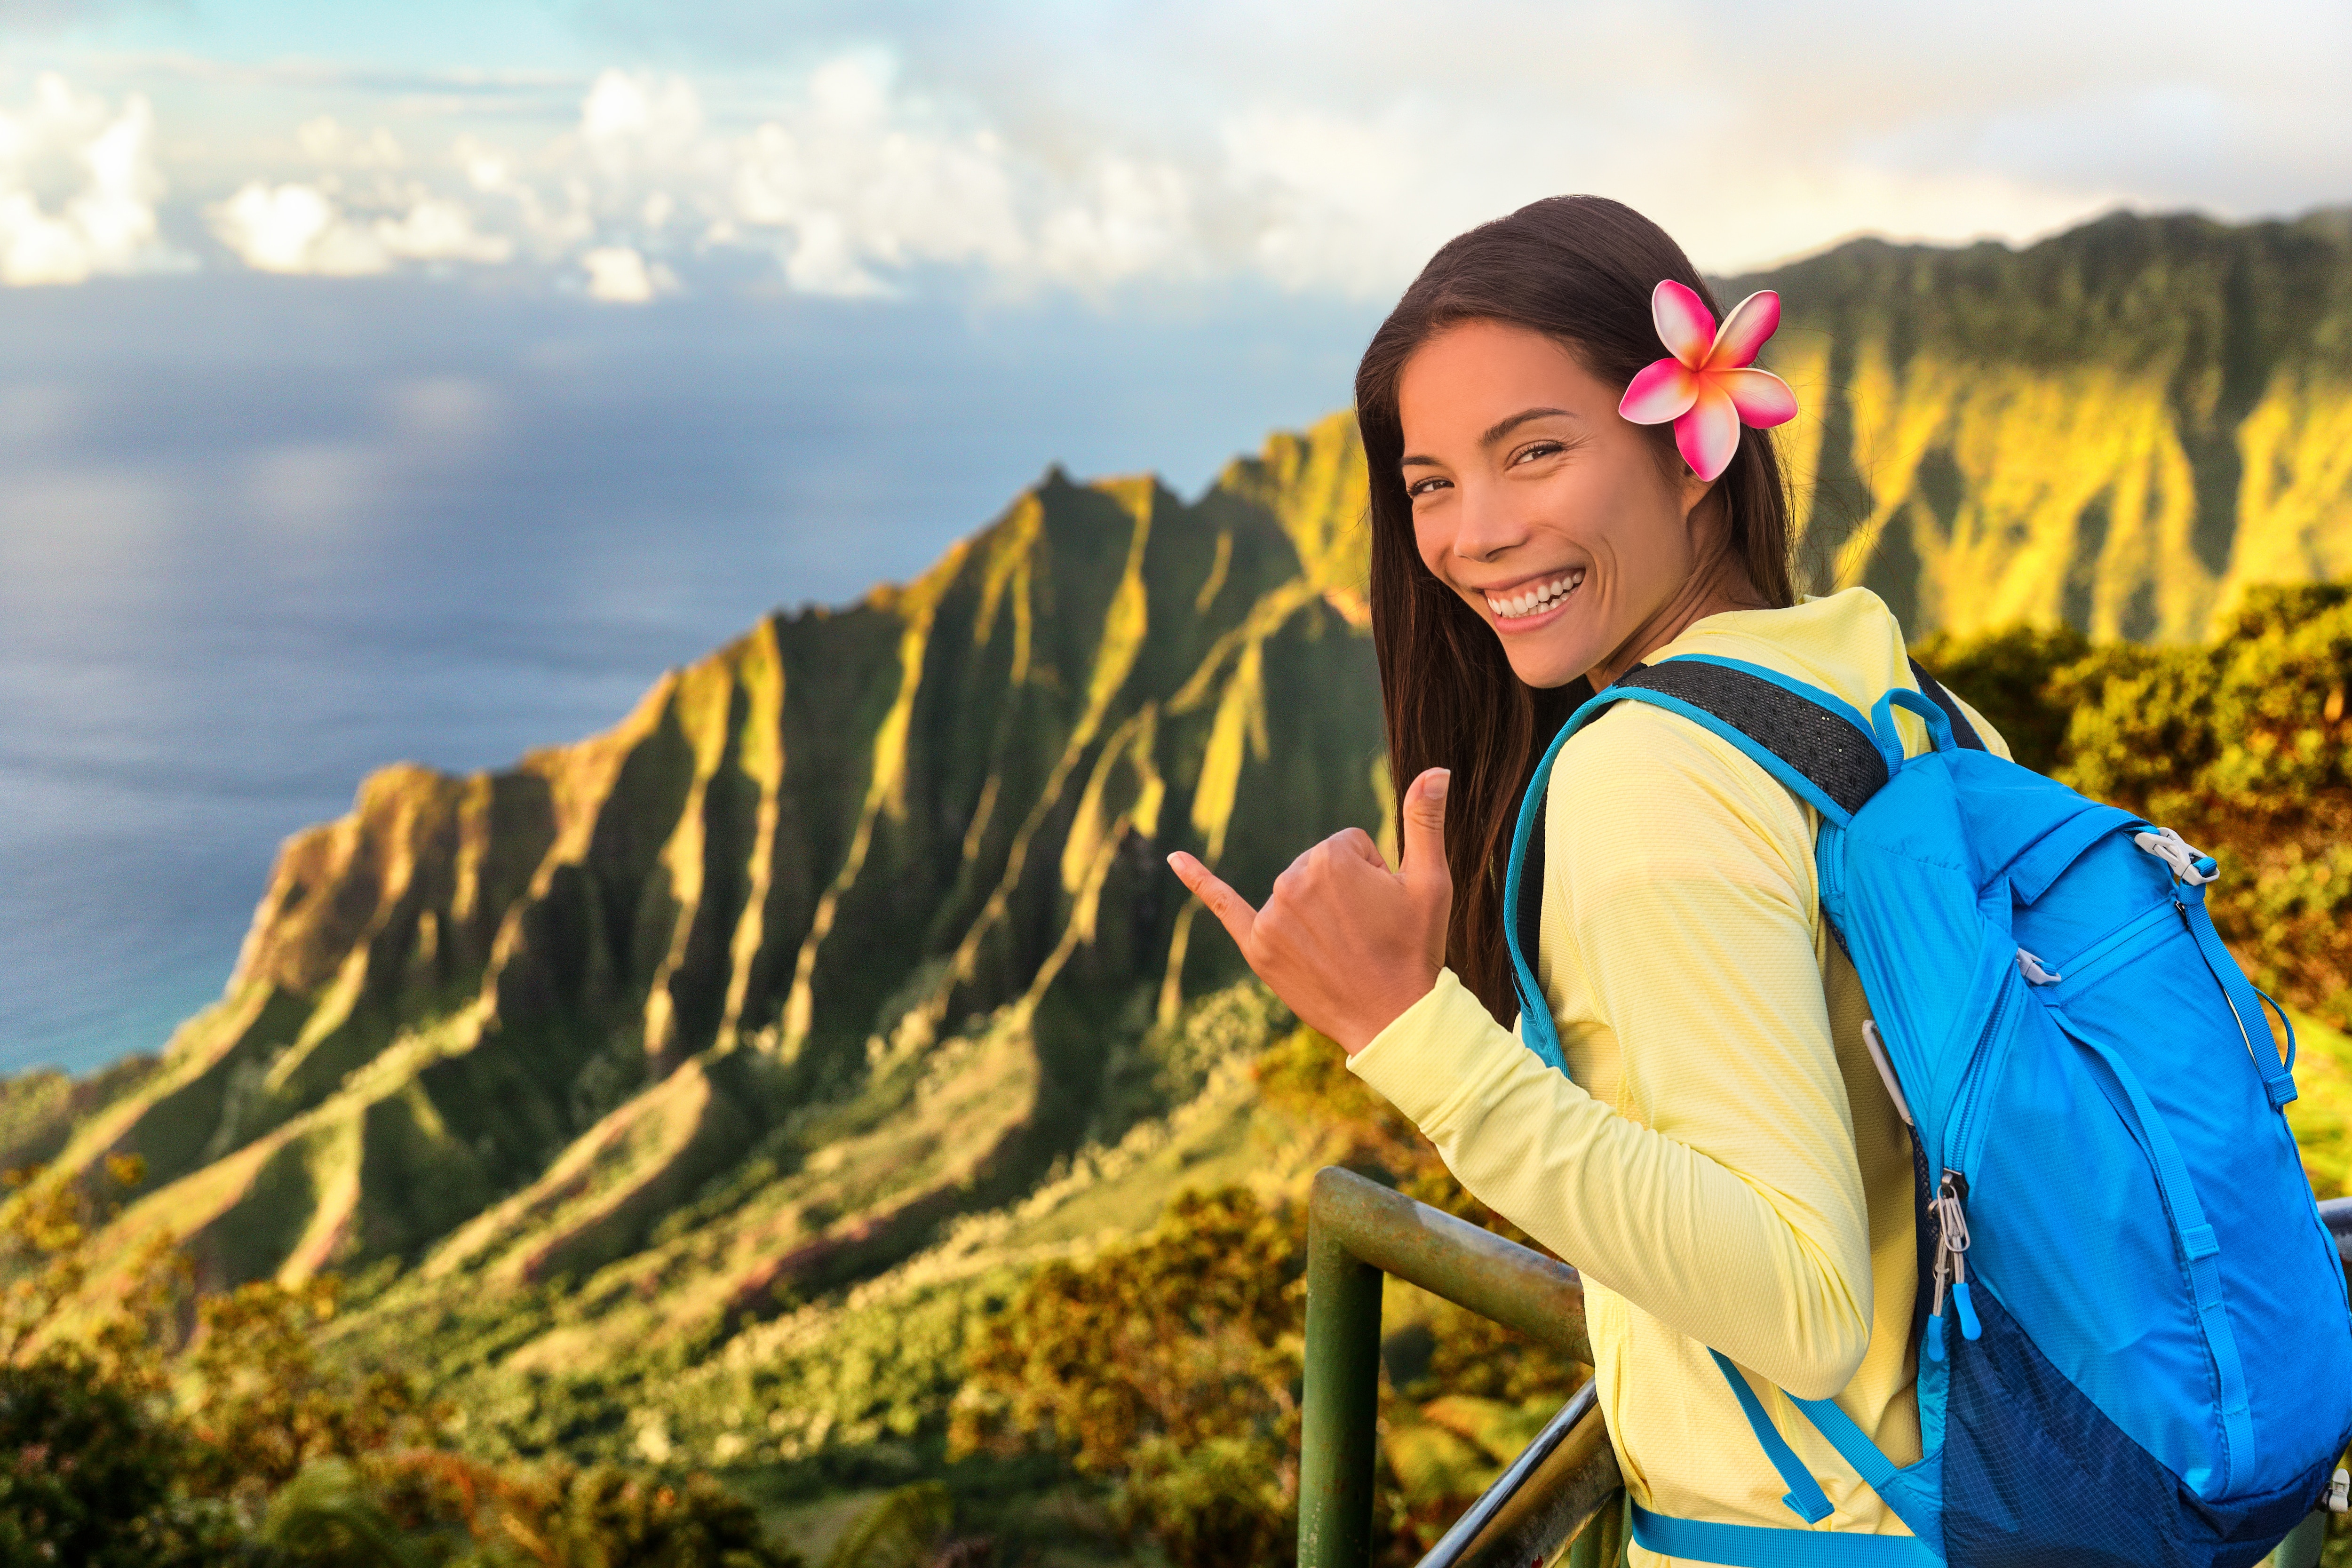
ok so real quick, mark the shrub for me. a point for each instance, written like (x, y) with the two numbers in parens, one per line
(263, 1408)
(1171, 1366)
(90, 1474)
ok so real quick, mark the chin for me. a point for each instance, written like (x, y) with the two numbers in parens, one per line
(1546, 668)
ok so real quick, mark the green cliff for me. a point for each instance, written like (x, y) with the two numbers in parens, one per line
(874, 893)
(2121, 428)
(730, 1059)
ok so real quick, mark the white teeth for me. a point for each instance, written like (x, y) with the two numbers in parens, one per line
(1542, 596)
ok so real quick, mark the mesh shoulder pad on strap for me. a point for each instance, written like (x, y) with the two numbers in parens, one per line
(1840, 760)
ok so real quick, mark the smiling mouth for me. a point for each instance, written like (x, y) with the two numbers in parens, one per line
(1535, 600)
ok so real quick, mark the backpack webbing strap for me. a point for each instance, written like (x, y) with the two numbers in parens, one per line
(1758, 1546)
(1811, 741)
(1933, 690)
(2194, 1237)
(1805, 1498)
(2245, 1002)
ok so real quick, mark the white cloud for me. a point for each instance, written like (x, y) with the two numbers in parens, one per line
(300, 228)
(438, 229)
(102, 163)
(635, 119)
(860, 183)
(620, 275)
(1331, 156)
(296, 228)
(1130, 219)
(485, 169)
(323, 140)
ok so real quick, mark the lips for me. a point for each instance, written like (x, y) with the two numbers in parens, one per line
(1536, 597)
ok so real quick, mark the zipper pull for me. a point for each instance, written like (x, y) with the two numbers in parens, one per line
(1969, 1327)
(1952, 1262)
(1935, 1344)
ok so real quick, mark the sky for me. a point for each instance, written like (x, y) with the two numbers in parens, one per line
(627, 150)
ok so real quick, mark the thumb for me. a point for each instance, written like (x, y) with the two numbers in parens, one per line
(1424, 851)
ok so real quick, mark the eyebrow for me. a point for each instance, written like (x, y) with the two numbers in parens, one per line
(1494, 433)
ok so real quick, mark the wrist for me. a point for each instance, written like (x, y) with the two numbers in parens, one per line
(1371, 1022)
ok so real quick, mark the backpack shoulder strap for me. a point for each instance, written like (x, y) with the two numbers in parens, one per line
(1811, 741)
(1815, 742)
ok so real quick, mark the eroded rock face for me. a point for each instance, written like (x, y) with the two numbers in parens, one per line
(846, 930)
(2121, 428)
(523, 1017)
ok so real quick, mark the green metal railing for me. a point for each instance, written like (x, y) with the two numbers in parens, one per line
(1357, 1231)
(1563, 1491)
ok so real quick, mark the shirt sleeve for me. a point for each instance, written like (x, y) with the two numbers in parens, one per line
(1721, 1194)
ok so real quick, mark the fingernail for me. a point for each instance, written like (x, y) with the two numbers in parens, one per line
(1436, 788)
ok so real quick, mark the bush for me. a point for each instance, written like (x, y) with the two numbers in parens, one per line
(1171, 1366)
(90, 1474)
(1190, 1335)
(324, 1518)
(120, 1447)
(2006, 676)
(261, 1406)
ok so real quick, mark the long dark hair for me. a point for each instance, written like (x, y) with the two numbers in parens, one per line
(1578, 269)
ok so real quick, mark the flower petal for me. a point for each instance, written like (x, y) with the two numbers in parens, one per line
(1662, 390)
(1752, 321)
(1685, 323)
(1710, 434)
(1763, 398)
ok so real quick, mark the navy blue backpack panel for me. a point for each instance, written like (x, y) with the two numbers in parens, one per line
(2134, 1346)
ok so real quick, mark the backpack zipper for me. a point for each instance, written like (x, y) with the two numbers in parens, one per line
(2093, 959)
(1949, 1206)
(1957, 1147)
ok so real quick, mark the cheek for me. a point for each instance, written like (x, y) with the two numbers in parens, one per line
(1431, 540)
(1640, 524)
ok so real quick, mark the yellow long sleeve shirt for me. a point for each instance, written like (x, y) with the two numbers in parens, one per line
(1721, 1163)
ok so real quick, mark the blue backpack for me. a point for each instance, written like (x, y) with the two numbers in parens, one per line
(2134, 1342)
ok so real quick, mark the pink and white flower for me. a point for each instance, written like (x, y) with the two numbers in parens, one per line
(1710, 387)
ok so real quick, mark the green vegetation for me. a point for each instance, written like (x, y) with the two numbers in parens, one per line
(120, 1445)
(2120, 430)
(708, 1095)
(1171, 1366)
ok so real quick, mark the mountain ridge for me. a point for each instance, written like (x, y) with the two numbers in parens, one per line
(851, 938)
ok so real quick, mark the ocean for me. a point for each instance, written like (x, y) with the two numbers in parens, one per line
(261, 535)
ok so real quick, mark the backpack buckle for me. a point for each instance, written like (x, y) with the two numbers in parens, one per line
(2190, 864)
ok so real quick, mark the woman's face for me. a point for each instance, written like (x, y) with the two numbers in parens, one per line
(1549, 513)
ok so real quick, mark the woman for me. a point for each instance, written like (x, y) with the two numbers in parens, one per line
(1721, 1160)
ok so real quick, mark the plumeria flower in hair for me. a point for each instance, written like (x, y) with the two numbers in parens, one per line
(1710, 387)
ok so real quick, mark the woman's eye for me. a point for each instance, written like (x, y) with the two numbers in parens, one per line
(1425, 487)
(1539, 450)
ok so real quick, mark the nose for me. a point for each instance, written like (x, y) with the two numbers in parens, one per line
(1489, 524)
